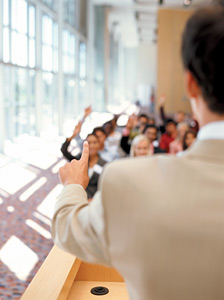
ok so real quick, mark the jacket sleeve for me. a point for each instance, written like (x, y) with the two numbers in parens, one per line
(78, 226)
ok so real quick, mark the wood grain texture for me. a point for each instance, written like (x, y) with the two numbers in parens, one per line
(54, 279)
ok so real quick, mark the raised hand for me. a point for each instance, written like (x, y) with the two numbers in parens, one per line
(87, 112)
(162, 100)
(76, 172)
(77, 129)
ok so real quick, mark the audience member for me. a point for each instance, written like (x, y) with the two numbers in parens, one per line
(95, 165)
(189, 138)
(140, 146)
(106, 153)
(134, 126)
(177, 145)
(113, 139)
(150, 131)
(169, 135)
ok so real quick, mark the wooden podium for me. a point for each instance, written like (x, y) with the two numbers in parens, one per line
(64, 277)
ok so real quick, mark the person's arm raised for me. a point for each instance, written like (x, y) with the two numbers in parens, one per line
(76, 172)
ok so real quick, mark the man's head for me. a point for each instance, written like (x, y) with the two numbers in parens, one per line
(170, 126)
(143, 119)
(203, 57)
(151, 132)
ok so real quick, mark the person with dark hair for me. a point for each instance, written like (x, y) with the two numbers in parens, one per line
(105, 152)
(159, 220)
(95, 163)
(135, 125)
(169, 136)
(151, 132)
(189, 138)
(176, 146)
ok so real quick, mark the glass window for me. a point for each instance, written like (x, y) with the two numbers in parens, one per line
(6, 12)
(69, 12)
(50, 3)
(50, 42)
(68, 52)
(32, 21)
(19, 49)
(6, 45)
(47, 30)
(82, 60)
(19, 16)
(32, 53)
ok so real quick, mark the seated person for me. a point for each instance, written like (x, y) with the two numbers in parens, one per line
(96, 163)
(112, 141)
(168, 136)
(105, 152)
(150, 132)
(189, 138)
(177, 145)
(140, 146)
(134, 126)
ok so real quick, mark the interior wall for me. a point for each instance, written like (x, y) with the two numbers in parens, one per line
(140, 67)
(170, 72)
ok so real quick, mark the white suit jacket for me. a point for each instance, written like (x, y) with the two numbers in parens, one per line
(158, 220)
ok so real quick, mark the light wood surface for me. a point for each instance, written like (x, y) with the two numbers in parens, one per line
(54, 279)
(81, 291)
(91, 272)
(62, 276)
(170, 70)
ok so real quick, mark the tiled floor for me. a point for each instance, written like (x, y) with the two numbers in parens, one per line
(29, 185)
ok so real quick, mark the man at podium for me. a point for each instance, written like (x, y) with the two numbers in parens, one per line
(159, 220)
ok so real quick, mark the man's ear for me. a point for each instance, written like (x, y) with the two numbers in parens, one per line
(191, 85)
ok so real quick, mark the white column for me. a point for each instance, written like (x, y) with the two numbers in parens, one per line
(60, 69)
(39, 80)
(90, 50)
(2, 107)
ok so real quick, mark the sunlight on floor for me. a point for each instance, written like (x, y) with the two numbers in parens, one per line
(39, 159)
(42, 218)
(47, 205)
(42, 231)
(14, 177)
(12, 255)
(32, 189)
(56, 168)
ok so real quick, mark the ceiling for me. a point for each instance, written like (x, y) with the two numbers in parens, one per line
(135, 21)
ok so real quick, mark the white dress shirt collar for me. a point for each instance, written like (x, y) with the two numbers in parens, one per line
(212, 131)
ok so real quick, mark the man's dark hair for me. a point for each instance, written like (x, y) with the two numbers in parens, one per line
(203, 53)
(98, 129)
(149, 126)
(143, 116)
(170, 121)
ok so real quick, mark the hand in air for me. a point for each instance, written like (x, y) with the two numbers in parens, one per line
(76, 172)
(162, 100)
(77, 129)
(87, 112)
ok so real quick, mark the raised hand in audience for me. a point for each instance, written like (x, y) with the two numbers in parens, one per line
(87, 112)
(76, 131)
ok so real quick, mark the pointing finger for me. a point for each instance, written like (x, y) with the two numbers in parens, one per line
(85, 153)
